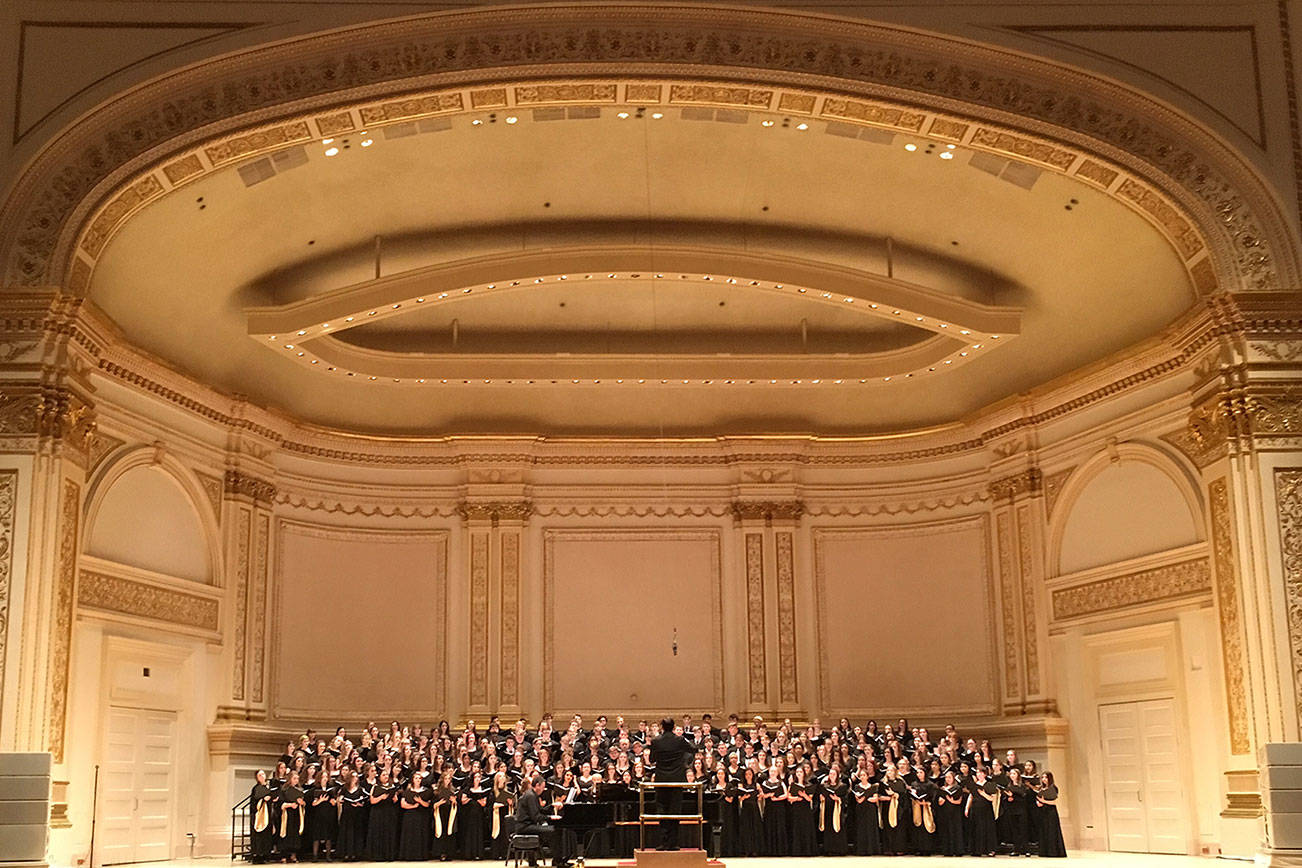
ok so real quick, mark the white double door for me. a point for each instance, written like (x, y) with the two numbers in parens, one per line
(1147, 808)
(136, 781)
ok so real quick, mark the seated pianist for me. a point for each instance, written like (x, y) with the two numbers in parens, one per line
(530, 820)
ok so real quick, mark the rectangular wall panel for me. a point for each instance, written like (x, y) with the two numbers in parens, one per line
(386, 657)
(629, 590)
(904, 619)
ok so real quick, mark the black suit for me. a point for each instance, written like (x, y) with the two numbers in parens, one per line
(530, 820)
(669, 754)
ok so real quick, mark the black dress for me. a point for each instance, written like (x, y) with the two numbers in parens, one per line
(834, 819)
(292, 820)
(261, 823)
(445, 822)
(776, 815)
(750, 827)
(382, 824)
(949, 821)
(322, 815)
(414, 828)
(921, 840)
(804, 834)
(353, 812)
(471, 821)
(983, 839)
(499, 823)
(894, 798)
(1051, 843)
(727, 820)
(1015, 814)
(867, 835)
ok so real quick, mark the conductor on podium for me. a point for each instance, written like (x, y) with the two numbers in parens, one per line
(669, 753)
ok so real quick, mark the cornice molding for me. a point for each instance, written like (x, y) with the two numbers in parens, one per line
(768, 511)
(131, 149)
(242, 485)
(495, 511)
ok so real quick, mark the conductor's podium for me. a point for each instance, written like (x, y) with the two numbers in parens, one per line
(671, 859)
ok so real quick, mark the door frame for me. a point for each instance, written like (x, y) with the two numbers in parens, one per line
(1164, 638)
(116, 650)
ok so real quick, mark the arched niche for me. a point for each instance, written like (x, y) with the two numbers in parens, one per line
(148, 511)
(1123, 503)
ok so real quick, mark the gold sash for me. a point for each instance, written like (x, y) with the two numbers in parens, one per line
(894, 814)
(917, 812)
(262, 818)
(836, 817)
(439, 831)
(284, 819)
(928, 818)
(822, 815)
(999, 797)
(497, 819)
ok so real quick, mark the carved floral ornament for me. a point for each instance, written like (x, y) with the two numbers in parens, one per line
(87, 182)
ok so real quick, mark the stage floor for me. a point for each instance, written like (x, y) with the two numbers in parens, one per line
(1077, 857)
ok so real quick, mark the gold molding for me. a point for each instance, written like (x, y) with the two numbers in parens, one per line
(1010, 487)
(505, 510)
(213, 486)
(258, 605)
(245, 486)
(243, 529)
(757, 668)
(510, 635)
(1053, 484)
(123, 596)
(1177, 581)
(1007, 603)
(1288, 501)
(767, 510)
(1029, 580)
(8, 503)
(788, 691)
(1230, 615)
(478, 687)
(61, 626)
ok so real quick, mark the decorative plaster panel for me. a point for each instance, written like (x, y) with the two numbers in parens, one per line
(1008, 605)
(128, 597)
(1029, 578)
(1231, 618)
(755, 618)
(8, 498)
(1288, 500)
(510, 651)
(1173, 582)
(61, 628)
(787, 687)
(478, 618)
(258, 604)
(243, 526)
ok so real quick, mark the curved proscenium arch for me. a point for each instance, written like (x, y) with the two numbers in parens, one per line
(305, 331)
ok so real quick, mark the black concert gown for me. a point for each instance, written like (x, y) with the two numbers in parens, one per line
(261, 840)
(1051, 843)
(776, 818)
(984, 839)
(750, 826)
(921, 841)
(322, 818)
(1015, 816)
(414, 827)
(444, 824)
(500, 807)
(867, 835)
(949, 821)
(895, 837)
(728, 832)
(353, 813)
(835, 819)
(804, 826)
(470, 822)
(291, 820)
(382, 825)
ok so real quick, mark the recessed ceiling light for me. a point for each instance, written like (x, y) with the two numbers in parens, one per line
(366, 143)
(475, 123)
(947, 155)
(951, 147)
(326, 141)
(909, 146)
(512, 119)
(766, 123)
(802, 127)
(657, 115)
(622, 116)
(302, 331)
(330, 152)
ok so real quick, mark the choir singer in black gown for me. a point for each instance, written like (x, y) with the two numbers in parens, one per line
(669, 753)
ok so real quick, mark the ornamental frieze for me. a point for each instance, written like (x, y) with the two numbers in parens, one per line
(1171, 582)
(240, 484)
(507, 510)
(735, 43)
(1008, 487)
(767, 510)
(127, 597)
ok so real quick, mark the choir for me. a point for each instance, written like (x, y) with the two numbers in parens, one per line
(410, 795)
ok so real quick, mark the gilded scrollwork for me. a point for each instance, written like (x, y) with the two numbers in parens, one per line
(1288, 500)
(755, 618)
(767, 510)
(243, 485)
(479, 618)
(1028, 481)
(127, 597)
(8, 500)
(1170, 582)
(786, 569)
(61, 626)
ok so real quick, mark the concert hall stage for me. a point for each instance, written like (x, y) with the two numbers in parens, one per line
(1077, 857)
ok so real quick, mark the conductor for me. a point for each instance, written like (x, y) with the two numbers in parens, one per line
(669, 753)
